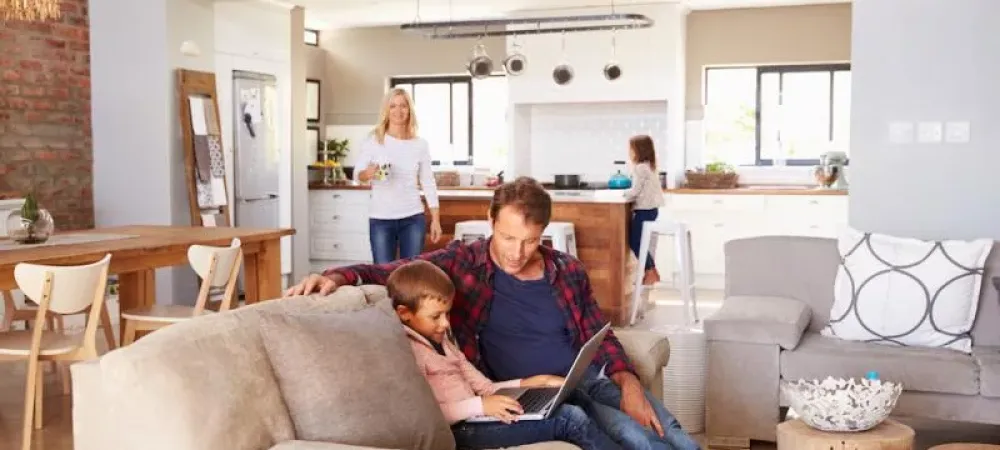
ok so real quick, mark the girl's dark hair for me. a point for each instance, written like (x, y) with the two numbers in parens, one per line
(527, 196)
(644, 150)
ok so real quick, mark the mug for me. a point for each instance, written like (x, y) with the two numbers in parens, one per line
(382, 173)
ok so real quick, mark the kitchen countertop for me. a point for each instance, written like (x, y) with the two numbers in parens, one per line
(608, 194)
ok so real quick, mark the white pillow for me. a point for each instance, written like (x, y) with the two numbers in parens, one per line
(908, 292)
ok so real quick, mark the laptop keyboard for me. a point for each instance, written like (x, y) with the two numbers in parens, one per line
(535, 399)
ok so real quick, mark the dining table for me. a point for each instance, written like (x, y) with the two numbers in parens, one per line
(138, 250)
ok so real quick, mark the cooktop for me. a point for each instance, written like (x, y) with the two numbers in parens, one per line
(585, 186)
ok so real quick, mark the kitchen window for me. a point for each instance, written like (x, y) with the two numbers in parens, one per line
(762, 115)
(463, 119)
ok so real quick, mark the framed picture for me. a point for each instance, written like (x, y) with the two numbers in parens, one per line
(312, 100)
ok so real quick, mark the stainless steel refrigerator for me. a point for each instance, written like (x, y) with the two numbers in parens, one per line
(257, 151)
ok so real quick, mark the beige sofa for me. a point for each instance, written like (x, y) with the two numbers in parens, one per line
(208, 383)
(779, 290)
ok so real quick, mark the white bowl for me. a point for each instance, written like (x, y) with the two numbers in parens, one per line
(836, 404)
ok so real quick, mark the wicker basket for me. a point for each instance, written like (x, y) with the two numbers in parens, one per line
(710, 180)
(447, 179)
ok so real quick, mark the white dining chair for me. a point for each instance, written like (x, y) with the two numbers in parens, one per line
(217, 267)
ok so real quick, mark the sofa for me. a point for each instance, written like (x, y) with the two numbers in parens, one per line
(213, 382)
(778, 295)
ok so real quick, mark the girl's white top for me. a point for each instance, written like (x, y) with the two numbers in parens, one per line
(398, 196)
(645, 191)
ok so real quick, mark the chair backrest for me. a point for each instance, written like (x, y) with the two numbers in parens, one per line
(217, 266)
(71, 289)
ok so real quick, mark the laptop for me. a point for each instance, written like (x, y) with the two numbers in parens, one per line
(539, 402)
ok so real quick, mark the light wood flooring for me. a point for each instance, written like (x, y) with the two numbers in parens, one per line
(58, 435)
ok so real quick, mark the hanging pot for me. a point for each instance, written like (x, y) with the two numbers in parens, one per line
(612, 71)
(516, 62)
(480, 65)
(563, 73)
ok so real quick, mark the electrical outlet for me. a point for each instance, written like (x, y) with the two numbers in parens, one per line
(900, 132)
(957, 132)
(929, 132)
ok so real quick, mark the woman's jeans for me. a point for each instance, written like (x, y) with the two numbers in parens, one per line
(389, 236)
(569, 423)
(639, 218)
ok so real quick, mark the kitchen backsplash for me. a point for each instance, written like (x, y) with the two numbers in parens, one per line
(586, 138)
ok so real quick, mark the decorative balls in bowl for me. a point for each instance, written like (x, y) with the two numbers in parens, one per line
(839, 405)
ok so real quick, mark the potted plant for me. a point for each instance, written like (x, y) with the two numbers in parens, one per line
(336, 151)
(30, 224)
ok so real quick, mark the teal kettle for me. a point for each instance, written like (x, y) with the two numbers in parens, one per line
(619, 180)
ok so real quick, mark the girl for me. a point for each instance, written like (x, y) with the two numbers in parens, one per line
(647, 197)
(421, 295)
(394, 157)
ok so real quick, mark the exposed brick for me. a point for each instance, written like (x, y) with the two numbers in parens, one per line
(45, 134)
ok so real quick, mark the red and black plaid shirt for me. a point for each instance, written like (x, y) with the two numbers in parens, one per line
(471, 269)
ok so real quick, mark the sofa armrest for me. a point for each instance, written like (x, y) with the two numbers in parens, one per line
(92, 419)
(759, 320)
(649, 352)
(309, 445)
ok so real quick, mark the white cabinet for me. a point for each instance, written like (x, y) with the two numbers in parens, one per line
(338, 227)
(717, 219)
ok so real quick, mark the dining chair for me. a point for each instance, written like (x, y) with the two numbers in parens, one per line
(217, 267)
(59, 290)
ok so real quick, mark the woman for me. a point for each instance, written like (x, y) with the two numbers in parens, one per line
(647, 196)
(394, 158)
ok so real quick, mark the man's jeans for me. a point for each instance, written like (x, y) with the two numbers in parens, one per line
(569, 423)
(601, 399)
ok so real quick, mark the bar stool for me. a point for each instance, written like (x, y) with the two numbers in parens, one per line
(471, 230)
(562, 235)
(685, 262)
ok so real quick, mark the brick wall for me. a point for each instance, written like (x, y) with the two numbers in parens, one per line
(45, 134)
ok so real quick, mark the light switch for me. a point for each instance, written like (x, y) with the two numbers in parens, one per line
(929, 132)
(957, 132)
(900, 132)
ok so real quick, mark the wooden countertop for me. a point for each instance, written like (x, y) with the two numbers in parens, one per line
(756, 190)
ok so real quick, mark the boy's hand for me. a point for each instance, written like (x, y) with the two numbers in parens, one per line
(543, 381)
(502, 407)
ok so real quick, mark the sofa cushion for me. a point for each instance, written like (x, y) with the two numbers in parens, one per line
(207, 381)
(988, 359)
(759, 320)
(352, 379)
(919, 369)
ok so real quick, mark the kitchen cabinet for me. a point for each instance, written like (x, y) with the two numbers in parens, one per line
(338, 228)
(717, 219)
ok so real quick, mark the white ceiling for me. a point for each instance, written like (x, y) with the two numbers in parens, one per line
(325, 14)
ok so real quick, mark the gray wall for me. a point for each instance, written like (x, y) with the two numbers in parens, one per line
(925, 60)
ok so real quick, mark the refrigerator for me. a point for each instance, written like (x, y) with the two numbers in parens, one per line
(256, 153)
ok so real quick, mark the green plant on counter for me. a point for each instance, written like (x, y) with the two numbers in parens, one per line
(336, 149)
(718, 167)
(29, 210)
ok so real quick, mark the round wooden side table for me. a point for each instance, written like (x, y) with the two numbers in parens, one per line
(968, 446)
(889, 435)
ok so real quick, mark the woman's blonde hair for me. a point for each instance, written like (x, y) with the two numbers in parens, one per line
(383, 116)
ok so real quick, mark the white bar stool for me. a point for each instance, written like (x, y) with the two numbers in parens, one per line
(471, 230)
(562, 235)
(682, 246)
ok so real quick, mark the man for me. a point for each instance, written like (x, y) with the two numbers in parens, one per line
(521, 309)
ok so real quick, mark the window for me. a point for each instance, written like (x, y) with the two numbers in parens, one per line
(463, 119)
(312, 100)
(757, 115)
(312, 37)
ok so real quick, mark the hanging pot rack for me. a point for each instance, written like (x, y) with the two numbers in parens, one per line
(464, 29)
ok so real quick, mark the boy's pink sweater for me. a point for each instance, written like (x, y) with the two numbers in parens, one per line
(458, 386)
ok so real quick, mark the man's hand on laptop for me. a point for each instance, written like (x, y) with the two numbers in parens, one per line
(543, 381)
(313, 283)
(502, 407)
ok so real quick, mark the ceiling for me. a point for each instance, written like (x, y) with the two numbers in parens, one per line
(325, 14)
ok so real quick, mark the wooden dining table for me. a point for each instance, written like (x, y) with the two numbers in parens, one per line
(145, 248)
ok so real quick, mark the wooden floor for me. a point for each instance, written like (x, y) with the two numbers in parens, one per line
(58, 434)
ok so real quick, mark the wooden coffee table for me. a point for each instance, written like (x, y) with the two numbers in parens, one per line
(889, 435)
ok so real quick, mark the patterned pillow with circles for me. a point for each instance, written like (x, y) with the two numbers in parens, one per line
(907, 292)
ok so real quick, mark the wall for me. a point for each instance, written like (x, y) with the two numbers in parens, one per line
(45, 114)
(756, 36)
(359, 62)
(925, 60)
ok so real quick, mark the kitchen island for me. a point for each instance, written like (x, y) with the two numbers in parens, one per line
(600, 218)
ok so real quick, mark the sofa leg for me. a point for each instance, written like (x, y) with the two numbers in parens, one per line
(728, 443)
(741, 397)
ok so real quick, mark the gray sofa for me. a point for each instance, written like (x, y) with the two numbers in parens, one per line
(213, 383)
(779, 290)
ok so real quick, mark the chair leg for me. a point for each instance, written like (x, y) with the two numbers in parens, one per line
(64, 375)
(109, 333)
(129, 336)
(39, 394)
(31, 384)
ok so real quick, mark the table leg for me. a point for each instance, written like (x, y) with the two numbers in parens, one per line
(135, 290)
(262, 273)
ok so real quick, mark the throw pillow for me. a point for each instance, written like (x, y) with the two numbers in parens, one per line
(351, 378)
(908, 292)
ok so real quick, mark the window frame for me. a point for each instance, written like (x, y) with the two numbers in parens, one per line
(831, 68)
(315, 34)
(438, 79)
